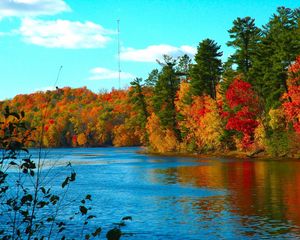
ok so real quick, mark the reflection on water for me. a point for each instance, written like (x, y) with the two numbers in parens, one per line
(184, 198)
(264, 194)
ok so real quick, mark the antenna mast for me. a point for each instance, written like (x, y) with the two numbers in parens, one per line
(119, 59)
(58, 75)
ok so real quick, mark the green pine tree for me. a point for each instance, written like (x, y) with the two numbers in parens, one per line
(137, 98)
(206, 72)
(245, 38)
(152, 78)
(279, 47)
(165, 93)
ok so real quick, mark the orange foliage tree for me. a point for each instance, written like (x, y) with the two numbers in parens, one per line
(292, 97)
(200, 121)
(81, 139)
(63, 115)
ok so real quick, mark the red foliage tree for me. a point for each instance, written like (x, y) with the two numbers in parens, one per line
(243, 107)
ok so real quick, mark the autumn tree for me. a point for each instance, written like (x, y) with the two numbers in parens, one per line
(243, 109)
(292, 97)
(183, 104)
(81, 139)
(161, 139)
(200, 121)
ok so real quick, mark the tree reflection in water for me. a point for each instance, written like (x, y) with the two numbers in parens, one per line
(263, 194)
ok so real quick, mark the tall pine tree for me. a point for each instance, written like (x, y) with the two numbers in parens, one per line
(245, 38)
(137, 98)
(206, 72)
(279, 47)
(165, 93)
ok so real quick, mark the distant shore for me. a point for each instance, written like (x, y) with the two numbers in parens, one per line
(228, 154)
(225, 154)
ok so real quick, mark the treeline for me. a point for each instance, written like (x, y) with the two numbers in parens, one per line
(250, 102)
(74, 117)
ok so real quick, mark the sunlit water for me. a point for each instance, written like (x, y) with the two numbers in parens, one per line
(185, 198)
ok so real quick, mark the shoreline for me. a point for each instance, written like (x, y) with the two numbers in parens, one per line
(229, 154)
(256, 155)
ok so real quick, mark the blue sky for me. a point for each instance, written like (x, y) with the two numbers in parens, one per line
(38, 36)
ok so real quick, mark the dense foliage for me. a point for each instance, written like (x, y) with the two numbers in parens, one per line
(248, 103)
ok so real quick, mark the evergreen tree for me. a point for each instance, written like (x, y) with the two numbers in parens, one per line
(137, 98)
(152, 78)
(228, 75)
(279, 47)
(206, 73)
(183, 66)
(245, 38)
(165, 93)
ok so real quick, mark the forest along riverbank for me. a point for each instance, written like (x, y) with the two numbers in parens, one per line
(190, 103)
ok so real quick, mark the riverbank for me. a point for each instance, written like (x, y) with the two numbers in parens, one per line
(227, 154)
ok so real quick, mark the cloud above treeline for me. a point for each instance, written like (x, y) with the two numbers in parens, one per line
(64, 34)
(73, 34)
(56, 33)
(100, 73)
(156, 52)
(45, 89)
(31, 8)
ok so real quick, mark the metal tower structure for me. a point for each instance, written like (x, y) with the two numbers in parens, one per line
(119, 53)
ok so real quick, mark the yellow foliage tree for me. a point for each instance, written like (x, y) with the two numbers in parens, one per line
(161, 140)
(182, 99)
(125, 136)
(81, 139)
(200, 121)
(277, 119)
(183, 107)
(260, 136)
(211, 124)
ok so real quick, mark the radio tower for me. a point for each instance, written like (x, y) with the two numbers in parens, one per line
(119, 59)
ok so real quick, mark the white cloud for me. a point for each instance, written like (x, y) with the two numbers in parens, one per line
(45, 89)
(104, 73)
(155, 52)
(30, 8)
(64, 34)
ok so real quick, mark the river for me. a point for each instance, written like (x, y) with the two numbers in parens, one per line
(187, 198)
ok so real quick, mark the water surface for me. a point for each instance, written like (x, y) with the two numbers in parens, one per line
(187, 198)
